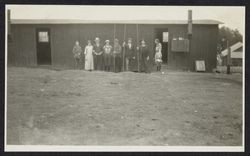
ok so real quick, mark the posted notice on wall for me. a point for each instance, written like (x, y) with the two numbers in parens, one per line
(165, 37)
(200, 65)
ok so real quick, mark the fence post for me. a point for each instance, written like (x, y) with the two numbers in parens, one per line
(228, 58)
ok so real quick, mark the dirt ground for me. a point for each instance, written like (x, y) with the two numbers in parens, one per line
(76, 107)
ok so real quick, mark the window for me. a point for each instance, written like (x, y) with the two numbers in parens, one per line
(180, 44)
(43, 36)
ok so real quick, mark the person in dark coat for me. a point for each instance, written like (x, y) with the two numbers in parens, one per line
(98, 55)
(77, 52)
(117, 53)
(129, 55)
(107, 55)
(144, 57)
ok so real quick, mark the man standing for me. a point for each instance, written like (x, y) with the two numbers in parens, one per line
(129, 50)
(98, 55)
(117, 56)
(144, 57)
(107, 55)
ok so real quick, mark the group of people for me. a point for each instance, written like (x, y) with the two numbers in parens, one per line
(125, 57)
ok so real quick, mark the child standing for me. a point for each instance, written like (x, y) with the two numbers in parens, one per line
(77, 51)
(158, 55)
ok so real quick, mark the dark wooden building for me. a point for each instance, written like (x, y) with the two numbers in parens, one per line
(38, 42)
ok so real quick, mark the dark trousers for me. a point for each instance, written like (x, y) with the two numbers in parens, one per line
(98, 62)
(118, 64)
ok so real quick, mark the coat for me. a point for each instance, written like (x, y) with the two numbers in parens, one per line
(133, 56)
(144, 58)
(77, 51)
(107, 55)
(98, 57)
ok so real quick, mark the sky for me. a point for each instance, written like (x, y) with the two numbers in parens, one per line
(233, 17)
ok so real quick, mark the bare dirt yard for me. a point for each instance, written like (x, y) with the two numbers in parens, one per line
(76, 107)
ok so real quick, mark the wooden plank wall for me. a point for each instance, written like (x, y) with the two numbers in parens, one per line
(22, 51)
(204, 45)
(22, 48)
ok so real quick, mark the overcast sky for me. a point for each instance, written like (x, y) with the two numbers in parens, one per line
(233, 17)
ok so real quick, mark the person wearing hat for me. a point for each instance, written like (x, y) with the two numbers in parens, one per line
(144, 56)
(98, 55)
(77, 52)
(89, 61)
(129, 51)
(117, 56)
(107, 48)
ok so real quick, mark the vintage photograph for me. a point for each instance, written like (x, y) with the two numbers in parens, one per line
(113, 77)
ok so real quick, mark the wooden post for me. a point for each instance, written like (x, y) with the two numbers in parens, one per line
(114, 45)
(228, 58)
(123, 57)
(137, 39)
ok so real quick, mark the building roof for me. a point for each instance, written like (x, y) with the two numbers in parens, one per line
(234, 52)
(79, 21)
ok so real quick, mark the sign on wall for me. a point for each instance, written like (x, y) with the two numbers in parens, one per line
(200, 65)
(180, 45)
(165, 36)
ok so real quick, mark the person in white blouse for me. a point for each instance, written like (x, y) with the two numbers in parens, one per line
(89, 61)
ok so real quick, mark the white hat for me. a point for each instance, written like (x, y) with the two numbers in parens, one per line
(106, 41)
(97, 39)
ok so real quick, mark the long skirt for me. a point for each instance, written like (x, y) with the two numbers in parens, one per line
(133, 64)
(98, 62)
(144, 66)
(89, 62)
(107, 60)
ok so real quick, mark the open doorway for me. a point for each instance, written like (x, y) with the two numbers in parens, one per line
(163, 35)
(43, 46)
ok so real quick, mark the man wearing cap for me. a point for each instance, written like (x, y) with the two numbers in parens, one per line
(129, 50)
(107, 55)
(117, 56)
(98, 55)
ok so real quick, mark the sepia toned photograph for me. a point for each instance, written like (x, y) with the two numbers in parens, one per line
(124, 78)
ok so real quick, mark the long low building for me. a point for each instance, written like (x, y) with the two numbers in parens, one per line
(50, 41)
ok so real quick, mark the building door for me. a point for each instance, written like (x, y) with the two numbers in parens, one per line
(43, 46)
(162, 35)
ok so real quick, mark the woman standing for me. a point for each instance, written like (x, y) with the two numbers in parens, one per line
(88, 52)
(158, 55)
(107, 55)
(144, 56)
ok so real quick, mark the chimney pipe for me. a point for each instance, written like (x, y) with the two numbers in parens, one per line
(190, 22)
(8, 22)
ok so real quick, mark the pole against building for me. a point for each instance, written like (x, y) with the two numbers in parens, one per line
(228, 58)
(124, 37)
(114, 44)
(137, 38)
